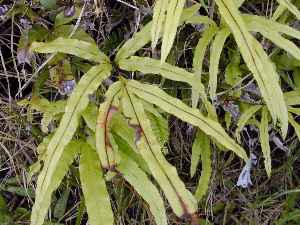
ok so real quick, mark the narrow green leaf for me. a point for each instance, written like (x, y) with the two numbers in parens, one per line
(144, 187)
(193, 116)
(43, 197)
(202, 145)
(233, 72)
(106, 110)
(174, 10)
(152, 66)
(258, 63)
(264, 140)
(295, 124)
(159, 16)
(294, 110)
(82, 49)
(215, 55)
(201, 47)
(61, 204)
(245, 117)
(125, 148)
(197, 19)
(90, 116)
(159, 127)
(254, 21)
(143, 37)
(198, 145)
(180, 199)
(292, 8)
(198, 58)
(278, 12)
(77, 102)
(270, 33)
(94, 189)
(292, 97)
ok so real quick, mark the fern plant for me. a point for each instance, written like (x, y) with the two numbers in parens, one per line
(123, 136)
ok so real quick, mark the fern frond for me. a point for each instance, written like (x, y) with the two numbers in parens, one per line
(193, 116)
(258, 63)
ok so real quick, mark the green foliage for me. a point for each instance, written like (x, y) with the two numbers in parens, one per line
(201, 150)
(94, 187)
(125, 136)
(44, 191)
(258, 63)
(264, 140)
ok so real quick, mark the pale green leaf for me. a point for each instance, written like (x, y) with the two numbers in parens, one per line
(292, 97)
(197, 19)
(46, 120)
(258, 24)
(201, 47)
(202, 145)
(77, 102)
(143, 37)
(90, 116)
(258, 63)
(193, 116)
(159, 15)
(264, 140)
(294, 110)
(198, 145)
(198, 58)
(278, 12)
(82, 49)
(152, 66)
(180, 199)
(160, 128)
(295, 124)
(43, 198)
(119, 125)
(233, 71)
(254, 21)
(125, 148)
(106, 110)
(94, 189)
(292, 8)
(174, 10)
(144, 187)
(244, 118)
(215, 55)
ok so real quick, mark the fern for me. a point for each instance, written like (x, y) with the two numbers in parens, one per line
(264, 140)
(43, 197)
(76, 104)
(126, 134)
(201, 150)
(94, 188)
(181, 200)
(215, 55)
(258, 63)
(174, 106)
(106, 110)
(142, 184)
